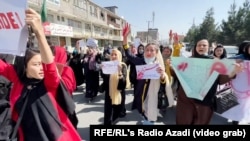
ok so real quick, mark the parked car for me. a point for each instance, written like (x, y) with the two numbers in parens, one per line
(231, 50)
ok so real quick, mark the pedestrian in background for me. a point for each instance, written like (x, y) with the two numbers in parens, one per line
(220, 52)
(91, 65)
(75, 63)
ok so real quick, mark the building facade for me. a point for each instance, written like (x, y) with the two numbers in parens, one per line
(152, 35)
(72, 20)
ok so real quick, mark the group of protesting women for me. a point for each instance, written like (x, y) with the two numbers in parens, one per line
(36, 82)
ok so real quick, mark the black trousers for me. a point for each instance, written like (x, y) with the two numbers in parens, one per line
(112, 112)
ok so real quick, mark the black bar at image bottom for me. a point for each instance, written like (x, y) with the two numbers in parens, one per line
(194, 132)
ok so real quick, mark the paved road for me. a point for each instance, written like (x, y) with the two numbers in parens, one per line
(92, 113)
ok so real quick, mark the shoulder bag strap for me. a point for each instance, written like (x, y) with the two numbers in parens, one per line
(20, 117)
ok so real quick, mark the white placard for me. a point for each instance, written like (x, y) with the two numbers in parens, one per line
(57, 29)
(147, 71)
(13, 29)
(82, 43)
(110, 67)
(137, 42)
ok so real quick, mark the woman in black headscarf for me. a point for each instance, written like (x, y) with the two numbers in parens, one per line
(192, 111)
(35, 81)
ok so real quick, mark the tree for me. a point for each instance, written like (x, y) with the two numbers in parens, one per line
(233, 30)
(246, 24)
(192, 34)
(206, 30)
(208, 27)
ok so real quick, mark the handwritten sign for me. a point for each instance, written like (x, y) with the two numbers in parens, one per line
(198, 75)
(241, 87)
(110, 67)
(13, 30)
(147, 71)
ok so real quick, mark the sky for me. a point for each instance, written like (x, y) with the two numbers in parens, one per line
(175, 15)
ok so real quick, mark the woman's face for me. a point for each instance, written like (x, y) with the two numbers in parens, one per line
(202, 47)
(34, 67)
(133, 50)
(114, 55)
(248, 50)
(91, 50)
(141, 49)
(150, 51)
(218, 52)
(77, 44)
(166, 52)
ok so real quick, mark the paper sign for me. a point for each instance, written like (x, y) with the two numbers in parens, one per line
(147, 71)
(82, 43)
(137, 42)
(110, 67)
(13, 30)
(52, 29)
(198, 75)
(241, 87)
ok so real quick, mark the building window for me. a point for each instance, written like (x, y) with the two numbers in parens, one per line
(74, 23)
(50, 18)
(81, 4)
(90, 10)
(87, 27)
(102, 16)
(110, 32)
(62, 19)
(97, 29)
(58, 18)
(105, 31)
(95, 12)
(112, 20)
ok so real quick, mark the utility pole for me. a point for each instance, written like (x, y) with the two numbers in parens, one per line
(148, 30)
(153, 19)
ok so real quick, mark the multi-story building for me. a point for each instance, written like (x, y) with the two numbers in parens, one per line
(151, 35)
(72, 20)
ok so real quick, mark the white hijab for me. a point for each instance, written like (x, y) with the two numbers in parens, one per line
(151, 102)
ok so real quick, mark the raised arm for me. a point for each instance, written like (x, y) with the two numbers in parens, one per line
(51, 76)
(226, 78)
(34, 20)
(132, 58)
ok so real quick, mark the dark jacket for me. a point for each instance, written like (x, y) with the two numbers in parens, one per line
(140, 94)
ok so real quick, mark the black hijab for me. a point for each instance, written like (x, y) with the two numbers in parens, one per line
(246, 54)
(20, 66)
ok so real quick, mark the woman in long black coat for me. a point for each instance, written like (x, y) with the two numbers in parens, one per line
(76, 64)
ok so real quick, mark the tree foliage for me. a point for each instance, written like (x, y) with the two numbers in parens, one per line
(233, 30)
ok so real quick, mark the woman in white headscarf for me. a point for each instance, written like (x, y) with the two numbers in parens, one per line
(146, 94)
(91, 69)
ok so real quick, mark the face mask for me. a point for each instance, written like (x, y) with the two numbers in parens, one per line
(149, 60)
(141, 51)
